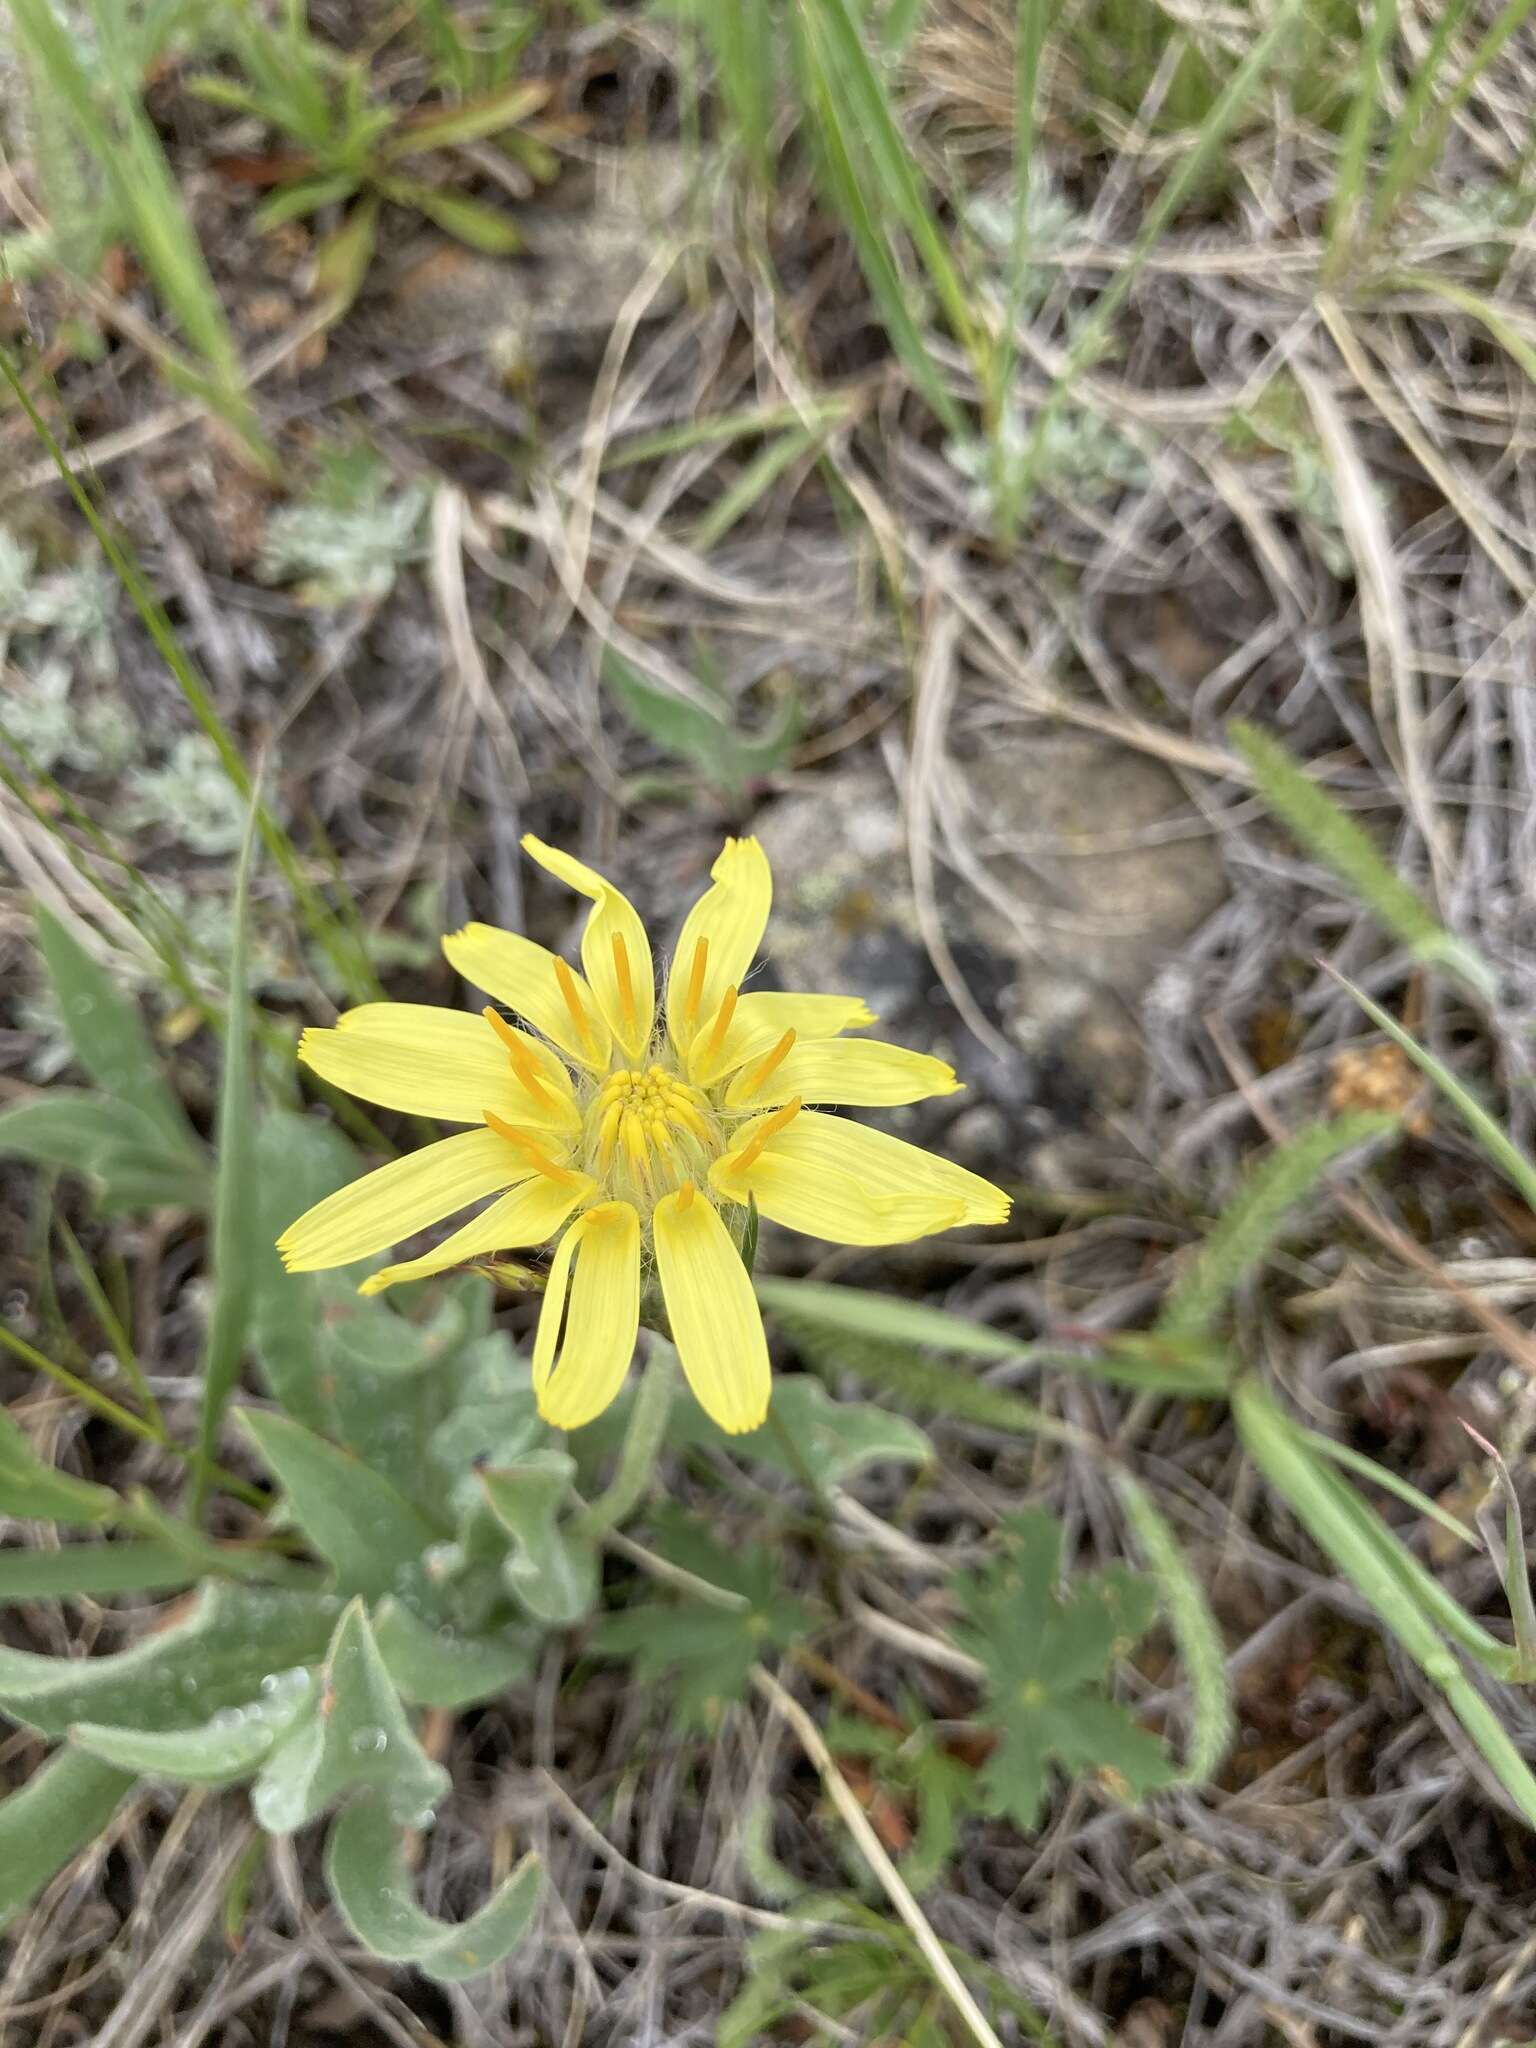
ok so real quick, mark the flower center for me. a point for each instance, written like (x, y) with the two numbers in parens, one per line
(648, 1132)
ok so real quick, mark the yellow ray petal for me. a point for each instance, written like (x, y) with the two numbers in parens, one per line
(819, 1170)
(604, 1317)
(729, 920)
(713, 1312)
(528, 1215)
(758, 1022)
(527, 979)
(859, 1071)
(422, 1059)
(614, 948)
(398, 1199)
(832, 1205)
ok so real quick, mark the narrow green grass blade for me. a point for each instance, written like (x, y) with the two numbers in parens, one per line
(133, 164)
(1419, 134)
(93, 1570)
(1253, 1220)
(836, 152)
(751, 420)
(1391, 1482)
(1327, 832)
(1359, 130)
(741, 41)
(56, 1813)
(1195, 1631)
(1496, 1143)
(836, 44)
(759, 477)
(1313, 1492)
(1517, 1574)
(233, 1264)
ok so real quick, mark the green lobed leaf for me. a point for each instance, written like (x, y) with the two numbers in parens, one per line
(373, 1536)
(704, 1654)
(441, 1667)
(1047, 1653)
(366, 1870)
(551, 1571)
(62, 1807)
(224, 1750)
(352, 1736)
(108, 1037)
(217, 1656)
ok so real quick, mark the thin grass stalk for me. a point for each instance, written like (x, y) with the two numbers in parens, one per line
(346, 956)
(1359, 131)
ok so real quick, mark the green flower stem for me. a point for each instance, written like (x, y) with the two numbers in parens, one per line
(642, 1443)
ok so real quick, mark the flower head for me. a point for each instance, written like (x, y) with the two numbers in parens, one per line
(632, 1144)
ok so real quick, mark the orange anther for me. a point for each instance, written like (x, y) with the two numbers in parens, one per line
(522, 1060)
(770, 1128)
(721, 1025)
(696, 982)
(751, 1082)
(626, 986)
(533, 1152)
(685, 1195)
(573, 1002)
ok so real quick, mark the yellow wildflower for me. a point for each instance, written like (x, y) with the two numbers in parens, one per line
(623, 1139)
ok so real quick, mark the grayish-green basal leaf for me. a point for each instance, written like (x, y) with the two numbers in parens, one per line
(441, 1667)
(353, 1735)
(229, 1747)
(553, 1574)
(365, 1868)
(109, 1039)
(372, 1534)
(495, 1419)
(60, 1808)
(217, 1657)
(93, 1570)
(299, 1161)
(113, 1143)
